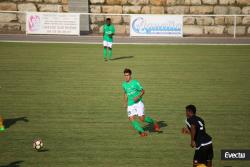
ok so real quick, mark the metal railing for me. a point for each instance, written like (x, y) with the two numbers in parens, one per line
(104, 15)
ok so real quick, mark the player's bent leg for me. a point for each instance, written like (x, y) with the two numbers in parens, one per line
(136, 125)
(150, 121)
(131, 118)
(142, 118)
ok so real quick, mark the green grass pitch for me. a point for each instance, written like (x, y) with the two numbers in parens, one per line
(72, 100)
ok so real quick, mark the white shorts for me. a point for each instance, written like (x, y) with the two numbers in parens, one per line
(107, 44)
(136, 109)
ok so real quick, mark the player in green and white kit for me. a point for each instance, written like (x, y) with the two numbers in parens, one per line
(108, 32)
(133, 93)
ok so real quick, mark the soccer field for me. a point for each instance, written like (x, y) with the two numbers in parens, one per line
(70, 98)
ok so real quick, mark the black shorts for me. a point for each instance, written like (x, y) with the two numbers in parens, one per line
(204, 154)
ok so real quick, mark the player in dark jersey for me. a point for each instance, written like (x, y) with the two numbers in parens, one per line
(200, 140)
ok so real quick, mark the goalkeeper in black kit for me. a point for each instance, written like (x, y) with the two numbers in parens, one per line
(200, 140)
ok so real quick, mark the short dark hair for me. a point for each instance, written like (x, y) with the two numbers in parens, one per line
(127, 70)
(108, 19)
(191, 108)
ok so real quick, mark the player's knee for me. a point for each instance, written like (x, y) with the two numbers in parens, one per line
(131, 118)
(142, 118)
(195, 163)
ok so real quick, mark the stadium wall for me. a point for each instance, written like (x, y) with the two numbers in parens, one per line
(192, 25)
(12, 22)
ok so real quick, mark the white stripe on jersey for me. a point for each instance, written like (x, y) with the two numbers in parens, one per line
(187, 123)
(203, 144)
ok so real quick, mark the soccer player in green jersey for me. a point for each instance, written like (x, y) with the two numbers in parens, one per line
(108, 32)
(1, 124)
(133, 92)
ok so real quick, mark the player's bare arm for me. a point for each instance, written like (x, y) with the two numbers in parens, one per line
(125, 97)
(193, 132)
(139, 96)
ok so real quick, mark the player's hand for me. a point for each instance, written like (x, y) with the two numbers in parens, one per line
(185, 131)
(193, 144)
(136, 99)
(110, 35)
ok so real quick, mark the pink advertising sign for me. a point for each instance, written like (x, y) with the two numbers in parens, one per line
(52, 23)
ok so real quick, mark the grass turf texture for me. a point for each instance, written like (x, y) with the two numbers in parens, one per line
(72, 100)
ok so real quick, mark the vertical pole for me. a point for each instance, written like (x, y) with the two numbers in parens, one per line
(130, 29)
(182, 26)
(26, 23)
(234, 26)
(79, 25)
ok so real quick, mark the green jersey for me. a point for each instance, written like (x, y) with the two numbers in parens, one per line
(108, 30)
(132, 90)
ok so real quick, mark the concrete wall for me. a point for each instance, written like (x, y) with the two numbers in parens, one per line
(80, 6)
(11, 22)
(192, 25)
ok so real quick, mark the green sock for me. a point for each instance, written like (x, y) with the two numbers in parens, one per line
(137, 126)
(104, 53)
(110, 53)
(149, 120)
(2, 128)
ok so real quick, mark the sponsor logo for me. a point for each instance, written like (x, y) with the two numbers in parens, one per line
(34, 23)
(141, 26)
(235, 154)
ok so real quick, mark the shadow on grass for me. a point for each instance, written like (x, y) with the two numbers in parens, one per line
(150, 127)
(122, 57)
(43, 150)
(9, 122)
(13, 164)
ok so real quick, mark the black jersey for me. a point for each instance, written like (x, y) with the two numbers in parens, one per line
(201, 137)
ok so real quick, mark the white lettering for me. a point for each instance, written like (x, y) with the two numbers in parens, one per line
(235, 155)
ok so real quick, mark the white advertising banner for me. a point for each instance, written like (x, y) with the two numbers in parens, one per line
(156, 25)
(52, 23)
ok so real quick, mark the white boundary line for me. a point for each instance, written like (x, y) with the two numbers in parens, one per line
(125, 36)
(135, 43)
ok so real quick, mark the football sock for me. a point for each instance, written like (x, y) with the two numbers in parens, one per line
(137, 126)
(149, 120)
(104, 53)
(2, 128)
(110, 53)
